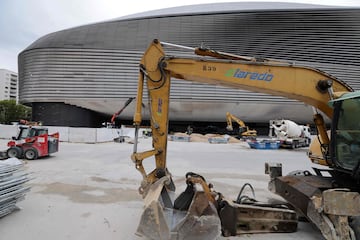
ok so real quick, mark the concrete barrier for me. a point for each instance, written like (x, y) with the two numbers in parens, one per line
(77, 135)
(63, 132)
(8, 131)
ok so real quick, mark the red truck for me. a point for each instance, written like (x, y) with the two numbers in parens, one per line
(33, 142)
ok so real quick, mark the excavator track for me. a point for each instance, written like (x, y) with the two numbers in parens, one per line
(314, 197)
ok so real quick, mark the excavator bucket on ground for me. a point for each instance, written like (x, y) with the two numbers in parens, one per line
(206, 214)
(193, 215)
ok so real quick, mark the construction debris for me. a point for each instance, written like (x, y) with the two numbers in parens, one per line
(196, 137)
(12, 185)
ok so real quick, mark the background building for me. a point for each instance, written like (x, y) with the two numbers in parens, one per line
(81, 76)
(8, 85)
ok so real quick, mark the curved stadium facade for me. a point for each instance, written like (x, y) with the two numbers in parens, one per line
(81, 76)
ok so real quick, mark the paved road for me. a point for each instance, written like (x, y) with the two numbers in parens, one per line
(89, 191)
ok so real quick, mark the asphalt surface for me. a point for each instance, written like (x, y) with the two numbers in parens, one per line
(89, 191)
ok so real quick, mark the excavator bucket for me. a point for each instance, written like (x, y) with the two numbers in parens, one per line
(192, 216)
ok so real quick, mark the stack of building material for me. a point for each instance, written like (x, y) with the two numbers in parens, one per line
(177, 138)
(12, 184)
(218, 140)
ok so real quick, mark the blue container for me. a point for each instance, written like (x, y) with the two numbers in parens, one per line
(264, 144)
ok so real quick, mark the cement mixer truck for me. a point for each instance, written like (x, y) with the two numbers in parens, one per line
(290, 134)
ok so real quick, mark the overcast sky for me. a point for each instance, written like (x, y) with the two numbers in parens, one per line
(24, 21)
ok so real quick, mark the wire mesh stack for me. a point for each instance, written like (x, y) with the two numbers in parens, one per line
(12, 185)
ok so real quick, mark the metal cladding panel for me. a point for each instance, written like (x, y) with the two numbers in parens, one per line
(96, 66)
(74, 73)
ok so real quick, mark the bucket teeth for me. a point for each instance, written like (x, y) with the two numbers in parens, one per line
(153, 224)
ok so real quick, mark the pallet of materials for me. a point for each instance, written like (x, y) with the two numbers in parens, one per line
(264, 144)
(176, 138)
(13, 188)
(218, 140)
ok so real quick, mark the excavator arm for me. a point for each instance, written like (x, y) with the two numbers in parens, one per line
(308, 85)
(230, 118)
(280, 78)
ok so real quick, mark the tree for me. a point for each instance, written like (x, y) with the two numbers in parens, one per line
(12, 112)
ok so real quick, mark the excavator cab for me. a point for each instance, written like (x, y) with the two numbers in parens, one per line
(242, 130)
(345, 149)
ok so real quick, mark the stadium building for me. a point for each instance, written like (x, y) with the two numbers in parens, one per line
(81, 76)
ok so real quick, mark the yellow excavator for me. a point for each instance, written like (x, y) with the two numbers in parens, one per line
(329, 198)
(244, 130)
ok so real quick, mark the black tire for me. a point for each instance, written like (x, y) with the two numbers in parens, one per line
(295, 144)
(14, 152)
(31, 154)
(355, 225)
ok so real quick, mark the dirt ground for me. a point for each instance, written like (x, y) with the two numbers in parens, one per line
(89, 191)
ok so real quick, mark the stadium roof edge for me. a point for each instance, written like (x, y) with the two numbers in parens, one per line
(205, 9)
(211, 8)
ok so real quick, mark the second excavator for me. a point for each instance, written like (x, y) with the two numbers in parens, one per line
(244, 131)
(329, 198)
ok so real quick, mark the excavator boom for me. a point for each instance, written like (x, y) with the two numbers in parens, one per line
(157, 69)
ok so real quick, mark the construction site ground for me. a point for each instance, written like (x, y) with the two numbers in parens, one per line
(89, 191)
